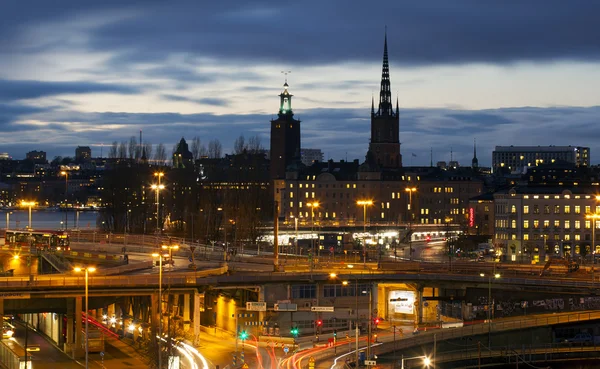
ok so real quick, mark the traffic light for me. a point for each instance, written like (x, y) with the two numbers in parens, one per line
(294, 331)
(334, 333)
(319, 323)
(243, 335)
(376, 321)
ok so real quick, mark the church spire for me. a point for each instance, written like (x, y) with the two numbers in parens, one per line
(397, 107)
(474, 162)
(372, 105)
(385, 95)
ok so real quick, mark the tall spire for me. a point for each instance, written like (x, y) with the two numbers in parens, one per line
(372, 105)
(385, 95)
(474, 162)
(397, 106)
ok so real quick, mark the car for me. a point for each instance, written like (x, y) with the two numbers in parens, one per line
(581, 338)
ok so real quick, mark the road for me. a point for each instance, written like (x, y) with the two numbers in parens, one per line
(117, 354)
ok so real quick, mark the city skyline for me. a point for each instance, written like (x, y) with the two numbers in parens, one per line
(81, 74)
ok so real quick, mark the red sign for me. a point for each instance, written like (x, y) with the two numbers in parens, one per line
(471, 217)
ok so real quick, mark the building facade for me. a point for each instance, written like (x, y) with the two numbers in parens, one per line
(515, 159)
(310, 156)
(83, 153)
(532, 223)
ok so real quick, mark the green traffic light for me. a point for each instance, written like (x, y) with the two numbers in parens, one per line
(243, 335)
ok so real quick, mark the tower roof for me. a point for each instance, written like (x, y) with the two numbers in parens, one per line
(385, 94)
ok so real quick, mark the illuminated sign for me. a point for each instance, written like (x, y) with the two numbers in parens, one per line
(402, 302)
(471, 217)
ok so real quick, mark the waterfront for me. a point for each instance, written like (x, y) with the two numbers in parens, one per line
(49, 219)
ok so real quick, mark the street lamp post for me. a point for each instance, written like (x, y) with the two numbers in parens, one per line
(157, 188)
(170, 249)
(364, 204)
(312, 206)
(593, 217)
(28, 204)
(426, 360)
(87, 308)
(490, 305)
(410, 191)
(160, 259)
(66, 174)
(8, 213)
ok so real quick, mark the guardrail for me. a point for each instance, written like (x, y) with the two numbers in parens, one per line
(94, 281)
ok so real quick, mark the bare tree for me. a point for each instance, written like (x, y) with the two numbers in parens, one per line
(214, 149)
(161, 154)
(203, 151)
(254, 146)
(132, 148)
(148, 148)
(196, 147)
(122, 154)
(112, 152)
(239, 145)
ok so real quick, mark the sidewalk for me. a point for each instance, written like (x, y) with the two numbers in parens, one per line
(219, 349)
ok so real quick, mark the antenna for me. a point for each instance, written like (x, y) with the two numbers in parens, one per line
(286, 73)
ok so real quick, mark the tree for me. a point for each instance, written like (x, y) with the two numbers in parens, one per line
(214, 149)
(148, 148)
(112, 152)
(196, 147)
(161, 155)
(254, 145)
(239, 146)
(133, 148)
(122, 154)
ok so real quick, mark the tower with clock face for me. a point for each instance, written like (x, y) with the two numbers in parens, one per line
(285, 136)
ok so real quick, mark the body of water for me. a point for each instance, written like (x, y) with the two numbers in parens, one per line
(47, 219)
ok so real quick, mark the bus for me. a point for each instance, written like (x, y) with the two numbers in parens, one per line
(43, 240)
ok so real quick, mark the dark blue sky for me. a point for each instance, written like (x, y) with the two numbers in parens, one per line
(506, 72)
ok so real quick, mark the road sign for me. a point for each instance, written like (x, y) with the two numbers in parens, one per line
(192, 248)
(370, 362)
(286, 349)
(245, 366)
(329, 309)
(256, 306)
(285, 307)
(311, 359)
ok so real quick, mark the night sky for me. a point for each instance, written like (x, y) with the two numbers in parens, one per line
(503, 72)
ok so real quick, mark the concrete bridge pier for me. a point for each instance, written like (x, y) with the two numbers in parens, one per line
(155, 315)
(76, 348)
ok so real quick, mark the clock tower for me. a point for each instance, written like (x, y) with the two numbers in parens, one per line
(285, 136)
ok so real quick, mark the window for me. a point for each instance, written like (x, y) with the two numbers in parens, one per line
(546, 223)
(578, 224)
(557, 223)
(525, 224)
(567, 237)
(567, 224)
(291, 195)
(536, 209)
(588, 224)
(304, 291)
(588, 209)
(567, 209)
(577, 237)
(556, 209)
(291, 204)
(536, 223)
(526, 237)
(526, 209)
(577, 209)
(546, 209)
(513, 209)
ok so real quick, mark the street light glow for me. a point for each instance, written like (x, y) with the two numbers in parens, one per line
(426, 361)
(332, 275)
(364, 202)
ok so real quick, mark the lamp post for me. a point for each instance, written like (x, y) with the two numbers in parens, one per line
(8, 213)
(28, 204)
(448, 220)
(410, 191)
(490, 305)
(357, 331)
(426, 360)
(87, 308)
(160, 259)
(312, 206)
(66, 174)
(364, 204)
(170, 248)
(157, 188)
(593, 217)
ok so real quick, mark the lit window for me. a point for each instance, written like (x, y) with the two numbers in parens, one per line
(291, 204)
(588, 224)
(525, 224)
(526, 209)
(513, 209)
(291, 195)
(567, 209)
(526, 237)
(382, 215)
(567, 224)
(578, 224)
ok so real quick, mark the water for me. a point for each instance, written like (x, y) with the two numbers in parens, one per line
(47, 219)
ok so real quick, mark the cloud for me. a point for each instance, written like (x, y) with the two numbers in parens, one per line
(11, 90)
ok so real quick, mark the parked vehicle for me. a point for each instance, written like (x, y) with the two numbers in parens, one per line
(581, 338)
